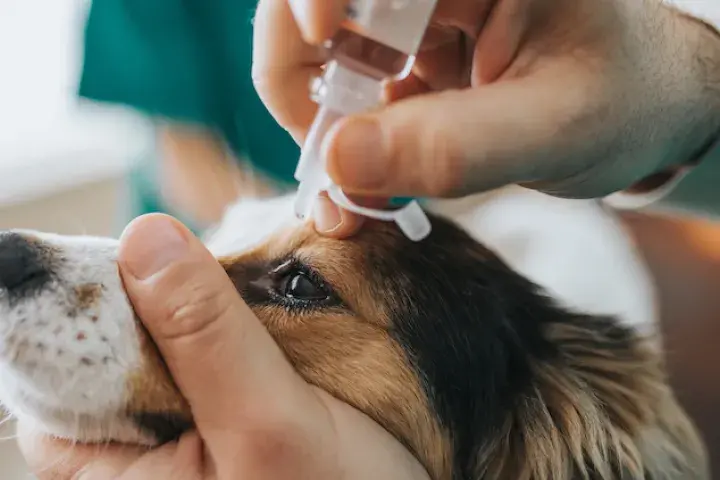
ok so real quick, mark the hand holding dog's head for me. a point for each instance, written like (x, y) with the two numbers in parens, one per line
(236, 384)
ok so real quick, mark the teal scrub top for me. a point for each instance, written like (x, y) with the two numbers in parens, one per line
(185, 61)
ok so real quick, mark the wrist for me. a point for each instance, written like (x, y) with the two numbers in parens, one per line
(699, 41)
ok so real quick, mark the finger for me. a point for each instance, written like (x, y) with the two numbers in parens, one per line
(284, 66)
(336, 222)
(55, 459)
(181, 460)
(446, 65)
(333, 221)
(500, 40)
(319, 19)
(407, 87)
(462, 141)
(225, 363)
(468, 17)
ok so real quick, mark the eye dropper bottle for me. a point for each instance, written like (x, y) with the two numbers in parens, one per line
(377, 43)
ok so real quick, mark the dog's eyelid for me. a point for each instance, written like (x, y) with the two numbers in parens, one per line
(291, 265)
(283, 267)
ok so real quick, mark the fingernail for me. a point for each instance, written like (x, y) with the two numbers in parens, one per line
(326, 215)
(303, 19)
(356, 159)
(150, 244)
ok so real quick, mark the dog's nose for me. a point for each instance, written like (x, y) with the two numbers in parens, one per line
(21, 265)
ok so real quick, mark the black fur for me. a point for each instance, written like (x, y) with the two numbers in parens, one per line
(164, 427)
(469, 325)
(23, 270)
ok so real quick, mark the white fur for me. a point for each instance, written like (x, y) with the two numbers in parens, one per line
(578, 251)
(265, 215)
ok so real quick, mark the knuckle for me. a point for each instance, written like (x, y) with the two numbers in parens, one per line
(424, 154)
(441, 164)
(193, 310)
(277, 444)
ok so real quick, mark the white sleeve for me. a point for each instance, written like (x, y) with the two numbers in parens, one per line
(708, 10)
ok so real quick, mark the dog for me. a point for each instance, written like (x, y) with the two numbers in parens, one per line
(469, 364)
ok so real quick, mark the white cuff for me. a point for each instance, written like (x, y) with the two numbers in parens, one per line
(659, 185)
(626, 200)
(708, 10)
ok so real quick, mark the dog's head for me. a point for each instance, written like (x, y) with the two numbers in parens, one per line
(461, 359)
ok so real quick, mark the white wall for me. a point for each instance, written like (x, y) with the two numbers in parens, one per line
(49, 141)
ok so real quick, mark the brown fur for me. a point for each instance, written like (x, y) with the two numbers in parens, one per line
(152, 389)
(368, 370)
(87, 295)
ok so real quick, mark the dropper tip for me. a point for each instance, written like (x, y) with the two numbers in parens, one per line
(304, 200)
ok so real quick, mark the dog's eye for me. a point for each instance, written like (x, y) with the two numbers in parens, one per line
(299, 286)
(294, 284)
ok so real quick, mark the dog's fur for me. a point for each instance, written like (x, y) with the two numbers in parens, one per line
(467, 363)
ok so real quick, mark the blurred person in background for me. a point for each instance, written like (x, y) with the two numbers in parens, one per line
(188, 66)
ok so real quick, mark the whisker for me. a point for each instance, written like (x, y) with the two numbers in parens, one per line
(6, 420)
(11, 330)
(10, 438)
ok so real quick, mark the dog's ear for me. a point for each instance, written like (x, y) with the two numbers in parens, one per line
(526, 388)
(600, 408)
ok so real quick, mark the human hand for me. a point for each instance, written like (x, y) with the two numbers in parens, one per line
(576, 98)
(255, 416)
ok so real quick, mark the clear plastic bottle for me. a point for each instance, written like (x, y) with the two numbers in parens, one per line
(378, 42)
(368, 57)
(380, 38)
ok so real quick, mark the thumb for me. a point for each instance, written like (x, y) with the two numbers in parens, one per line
(461, 141)
(224, 362)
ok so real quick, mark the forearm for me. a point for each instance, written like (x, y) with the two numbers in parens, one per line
(199, 176)
(699, 191)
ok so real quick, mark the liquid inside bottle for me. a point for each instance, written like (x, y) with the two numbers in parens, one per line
(368, 57)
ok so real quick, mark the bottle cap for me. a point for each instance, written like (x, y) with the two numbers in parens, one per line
(411, 218)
